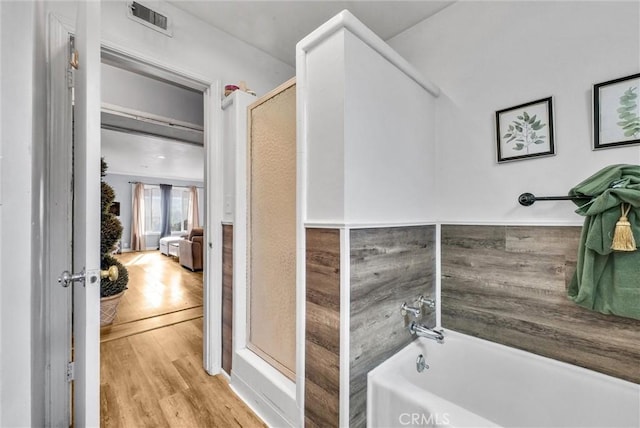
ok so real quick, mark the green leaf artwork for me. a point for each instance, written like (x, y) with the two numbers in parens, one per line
(627, 113)
(523, 131)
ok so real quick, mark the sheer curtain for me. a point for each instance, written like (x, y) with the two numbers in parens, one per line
(137, 218)
(193, 218)
(165, 210)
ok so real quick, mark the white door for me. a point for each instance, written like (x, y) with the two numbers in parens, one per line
(86, 217)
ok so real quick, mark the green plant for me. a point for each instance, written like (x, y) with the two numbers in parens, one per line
(110, 233)
(523, 131)
(629, 119)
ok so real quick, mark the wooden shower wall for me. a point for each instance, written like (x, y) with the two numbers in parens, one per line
(508, 284)
(388, 266)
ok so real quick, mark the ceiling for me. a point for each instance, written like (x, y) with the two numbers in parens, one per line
(276, 26)
(147, 156)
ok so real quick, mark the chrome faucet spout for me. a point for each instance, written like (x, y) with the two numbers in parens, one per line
(424, 331)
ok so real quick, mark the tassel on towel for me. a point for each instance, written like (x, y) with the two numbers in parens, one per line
(622, 235)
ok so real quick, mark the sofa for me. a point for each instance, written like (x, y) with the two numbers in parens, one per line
(191, 251)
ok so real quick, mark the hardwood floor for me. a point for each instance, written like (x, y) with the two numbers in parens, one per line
(156, 379)
(158, 284)
(151, 356)
(160, 292)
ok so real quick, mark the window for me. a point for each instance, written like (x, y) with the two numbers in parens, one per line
(152, 209)
(179, 209)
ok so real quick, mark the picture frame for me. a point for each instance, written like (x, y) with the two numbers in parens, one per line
(616, 112)
(525, 131)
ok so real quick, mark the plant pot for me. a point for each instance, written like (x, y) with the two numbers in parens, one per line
(109, 308)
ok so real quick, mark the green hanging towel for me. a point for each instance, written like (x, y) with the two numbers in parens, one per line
(608, 281)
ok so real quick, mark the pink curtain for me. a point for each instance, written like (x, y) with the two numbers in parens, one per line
(193, 217)
(137, 218)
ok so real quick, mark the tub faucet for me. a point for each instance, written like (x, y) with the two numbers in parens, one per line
(424, 331)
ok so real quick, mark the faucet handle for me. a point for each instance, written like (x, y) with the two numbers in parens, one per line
(409, 310)
(429, 303)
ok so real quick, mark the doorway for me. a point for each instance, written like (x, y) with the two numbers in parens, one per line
(151, 357)
(152, 140)
(58, 309)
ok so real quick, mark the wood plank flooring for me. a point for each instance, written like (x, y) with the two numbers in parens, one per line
(156, 379)
(158, 285)
(121, 330)
(151, 367)
(160, 292)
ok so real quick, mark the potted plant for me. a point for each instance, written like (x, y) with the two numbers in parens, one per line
(111, 291)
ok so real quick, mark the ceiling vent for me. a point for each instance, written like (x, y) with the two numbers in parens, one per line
(149, 17)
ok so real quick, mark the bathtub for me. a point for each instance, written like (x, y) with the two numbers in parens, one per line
(472, 382)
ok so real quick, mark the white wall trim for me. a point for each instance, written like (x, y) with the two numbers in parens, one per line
(550, 223)
(58, 165)
(301, 218)
(240, 232)
(358, 225)
(119, 56)
(346, 20)
(213, 229)
(267, 391)
(345, 324)
(438, 279)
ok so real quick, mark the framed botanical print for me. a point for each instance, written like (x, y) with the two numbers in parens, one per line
(525, 131)
(616, 112)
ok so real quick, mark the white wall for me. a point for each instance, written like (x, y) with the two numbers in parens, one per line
(486, 56)
(322, 120)
(370, 137)
(19, 134)
(389, 141)
(234, 134)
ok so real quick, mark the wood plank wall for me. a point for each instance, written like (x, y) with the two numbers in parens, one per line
(227, 297)
(322, 344)
(508, 284)
(389, 266)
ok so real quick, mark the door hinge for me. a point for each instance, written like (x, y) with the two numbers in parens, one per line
(70, 371)
(70, 78)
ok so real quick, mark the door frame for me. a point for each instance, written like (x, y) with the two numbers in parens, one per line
(57, 187)
(58, 230)
(212, 94)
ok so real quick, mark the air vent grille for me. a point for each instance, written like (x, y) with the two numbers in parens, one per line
(148, 15)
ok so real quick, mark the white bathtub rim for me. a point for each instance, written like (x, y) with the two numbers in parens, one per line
(420, 343)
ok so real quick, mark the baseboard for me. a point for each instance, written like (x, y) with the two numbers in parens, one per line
(261, 408)
(267, 392)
